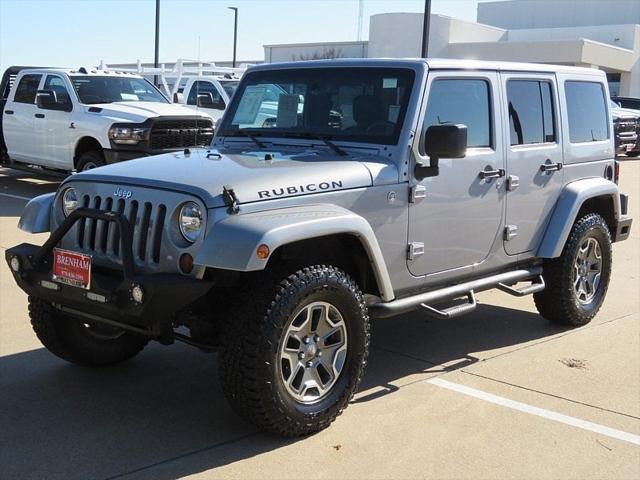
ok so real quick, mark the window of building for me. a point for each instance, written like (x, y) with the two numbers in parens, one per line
(531, 116)
(586, 108)
(461, 101)
(27, 89)
(614, 83)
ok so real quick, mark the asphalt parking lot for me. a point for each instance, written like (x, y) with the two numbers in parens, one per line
(500, 393)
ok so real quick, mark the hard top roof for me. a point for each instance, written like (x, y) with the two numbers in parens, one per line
(432, 64)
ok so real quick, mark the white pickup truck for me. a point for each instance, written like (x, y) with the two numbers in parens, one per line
(210, 94)
(69, 120)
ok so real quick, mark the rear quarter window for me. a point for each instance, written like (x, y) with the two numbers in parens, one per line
(587, 111)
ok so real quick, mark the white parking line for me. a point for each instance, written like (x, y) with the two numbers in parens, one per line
(540, 412)
(19, 197)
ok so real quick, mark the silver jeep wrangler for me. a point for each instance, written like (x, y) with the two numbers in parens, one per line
(332, 191)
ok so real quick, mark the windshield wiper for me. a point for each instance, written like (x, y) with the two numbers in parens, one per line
(326, 140)
(244, 133)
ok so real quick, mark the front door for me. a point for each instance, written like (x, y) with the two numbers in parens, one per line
(54, 129)
(534, 157)
(457, 216)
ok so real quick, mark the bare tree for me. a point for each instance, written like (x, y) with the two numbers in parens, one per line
(327, 53)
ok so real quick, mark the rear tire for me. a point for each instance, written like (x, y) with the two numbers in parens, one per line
(578, 280)
(77, 342)
(258, 364)
(90, 160)
(633, 154)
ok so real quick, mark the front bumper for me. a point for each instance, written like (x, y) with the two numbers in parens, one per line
(115, 156)
(109, 300)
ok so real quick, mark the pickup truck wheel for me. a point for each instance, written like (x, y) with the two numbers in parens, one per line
(295, 349)
(633, 154)
(577, 281)
(75, 341)
(90, 160)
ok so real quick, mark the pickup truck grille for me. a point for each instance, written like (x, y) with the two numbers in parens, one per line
(103, 238)
(626, 126)
(180, 133)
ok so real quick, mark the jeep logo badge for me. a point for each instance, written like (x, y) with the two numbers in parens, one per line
(122, 193)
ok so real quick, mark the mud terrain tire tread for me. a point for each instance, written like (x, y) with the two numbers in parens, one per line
(557, 302)
(256, 324)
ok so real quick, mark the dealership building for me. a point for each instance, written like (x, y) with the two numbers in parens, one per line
(589, 33)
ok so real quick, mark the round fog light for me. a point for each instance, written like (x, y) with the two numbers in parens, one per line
(137, 293)
(186, 263)
(15, 264)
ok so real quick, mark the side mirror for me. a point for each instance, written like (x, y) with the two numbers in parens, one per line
(178, 97)
(46, 99)
(49, 100)
(441, 141)
(205, 100)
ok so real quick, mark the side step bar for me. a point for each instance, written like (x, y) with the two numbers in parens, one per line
(454, 311)
(537, 285)
(407, 304)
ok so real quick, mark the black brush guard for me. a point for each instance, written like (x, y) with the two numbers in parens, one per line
(165, 294)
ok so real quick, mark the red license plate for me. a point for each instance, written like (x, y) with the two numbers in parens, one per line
(72, 268)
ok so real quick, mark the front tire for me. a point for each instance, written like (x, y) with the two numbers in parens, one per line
(578, 280)
(90, 160)
(293, 356)
(77, 342)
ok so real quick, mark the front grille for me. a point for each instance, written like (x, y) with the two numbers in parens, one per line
(180, 133)
(103, 238)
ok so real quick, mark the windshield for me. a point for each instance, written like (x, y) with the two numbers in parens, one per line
(103, 89)
(230, 87)
(356, 104)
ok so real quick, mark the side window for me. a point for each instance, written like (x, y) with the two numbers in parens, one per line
(203, 88)
(27, 89)
(588, 121)
(465, 101)
(55, 83)
(531, 117)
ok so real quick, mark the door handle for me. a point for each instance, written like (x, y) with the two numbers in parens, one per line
(492, 173)
(9, 112)
(550, 167)
(39, 115)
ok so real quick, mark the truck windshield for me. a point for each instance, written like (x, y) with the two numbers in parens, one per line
(361, 104)
(103, 89)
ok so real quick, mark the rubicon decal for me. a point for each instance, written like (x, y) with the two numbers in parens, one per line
(298, 189)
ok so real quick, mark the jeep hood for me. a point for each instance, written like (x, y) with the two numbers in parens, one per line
(141, 111)
(251, 176)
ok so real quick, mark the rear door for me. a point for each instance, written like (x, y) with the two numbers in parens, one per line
(534, 157)
(18, 119)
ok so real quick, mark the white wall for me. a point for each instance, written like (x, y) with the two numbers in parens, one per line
(400, 34)
(517, 14)
(622, 36)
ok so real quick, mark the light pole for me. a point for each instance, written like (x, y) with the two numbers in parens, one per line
(157, 52)
(425, 28)
(235, 32)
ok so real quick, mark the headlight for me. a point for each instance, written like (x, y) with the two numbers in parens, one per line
(191, 221)
(127, 135)
(69, 201)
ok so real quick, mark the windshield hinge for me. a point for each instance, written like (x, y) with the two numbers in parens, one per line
(230, 200)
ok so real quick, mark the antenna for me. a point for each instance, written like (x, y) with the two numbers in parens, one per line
(360, 15)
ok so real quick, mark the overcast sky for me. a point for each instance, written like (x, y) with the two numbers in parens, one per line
(82, 32)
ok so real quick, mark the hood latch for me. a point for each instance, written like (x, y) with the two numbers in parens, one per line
(230, 200)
